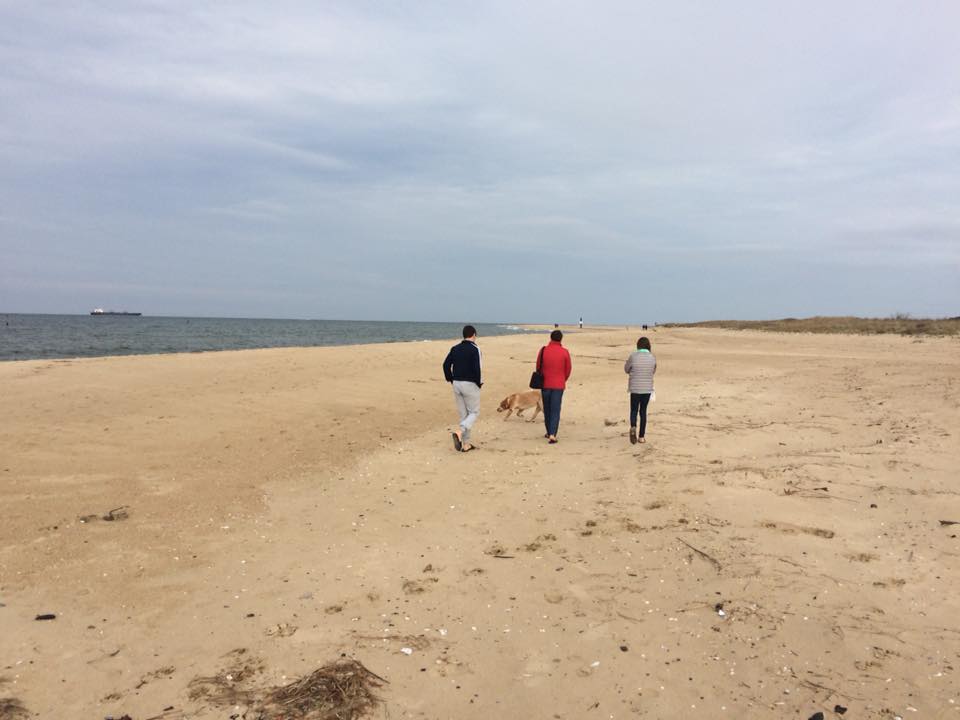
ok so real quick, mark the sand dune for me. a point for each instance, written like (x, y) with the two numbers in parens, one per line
(776, 549)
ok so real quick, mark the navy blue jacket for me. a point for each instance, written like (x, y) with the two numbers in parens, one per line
(463, 363)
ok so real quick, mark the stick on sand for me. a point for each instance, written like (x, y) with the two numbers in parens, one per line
(709, 558)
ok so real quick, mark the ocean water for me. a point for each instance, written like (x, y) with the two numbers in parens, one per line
(30, 337)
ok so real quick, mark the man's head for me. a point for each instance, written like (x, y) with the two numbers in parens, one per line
(643, 343)
(556, 335)
(469, 332)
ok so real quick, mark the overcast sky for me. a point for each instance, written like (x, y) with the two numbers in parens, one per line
(482, 161)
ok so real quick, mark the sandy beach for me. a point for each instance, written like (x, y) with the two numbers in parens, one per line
(777, 548)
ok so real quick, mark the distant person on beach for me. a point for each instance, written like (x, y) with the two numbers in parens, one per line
(554, 363)
(640, 366)
(462, 369)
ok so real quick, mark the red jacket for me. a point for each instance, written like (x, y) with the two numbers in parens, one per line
(555, 366)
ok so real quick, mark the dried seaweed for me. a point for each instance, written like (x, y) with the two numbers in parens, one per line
(12, 709)
(343, 690)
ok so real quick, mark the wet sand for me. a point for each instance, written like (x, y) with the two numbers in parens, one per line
(775, 549)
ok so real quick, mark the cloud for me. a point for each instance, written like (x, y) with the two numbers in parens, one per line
(396, 155)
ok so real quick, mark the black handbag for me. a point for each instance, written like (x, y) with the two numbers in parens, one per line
(536, 378)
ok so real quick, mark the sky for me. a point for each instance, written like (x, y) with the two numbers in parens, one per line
(625, 162)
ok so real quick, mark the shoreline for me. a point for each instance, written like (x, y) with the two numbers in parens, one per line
(509, 330)
(516, 329)
(526, 330)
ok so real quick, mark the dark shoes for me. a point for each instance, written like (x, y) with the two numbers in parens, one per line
(633, 436)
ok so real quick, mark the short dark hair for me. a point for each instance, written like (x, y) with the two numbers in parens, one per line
(556, 335)
(643, 343)
(469, 331)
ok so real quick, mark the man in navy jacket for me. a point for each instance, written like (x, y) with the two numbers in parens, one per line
(462, 368)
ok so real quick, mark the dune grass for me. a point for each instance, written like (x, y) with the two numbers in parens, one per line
(898, 325)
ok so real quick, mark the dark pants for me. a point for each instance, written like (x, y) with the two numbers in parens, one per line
(551, 409)
(638, 401)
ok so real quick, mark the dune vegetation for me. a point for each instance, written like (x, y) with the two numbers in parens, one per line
(899, 324)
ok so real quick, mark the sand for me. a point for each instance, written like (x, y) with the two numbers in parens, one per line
(285, 508)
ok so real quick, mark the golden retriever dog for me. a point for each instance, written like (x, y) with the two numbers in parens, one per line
(522, 401)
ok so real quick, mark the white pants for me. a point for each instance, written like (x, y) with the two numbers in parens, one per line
(467, 396)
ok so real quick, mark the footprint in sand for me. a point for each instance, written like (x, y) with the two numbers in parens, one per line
(163, 672)
(538, 543)
(496, 550)
(892, 582)
(281, 630)
(789, 529)
(395, 642)
(418, 587)
(230, 686)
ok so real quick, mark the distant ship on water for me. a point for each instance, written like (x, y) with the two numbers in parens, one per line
(101, 311)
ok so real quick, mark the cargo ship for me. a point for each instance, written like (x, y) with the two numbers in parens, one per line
(101, 311)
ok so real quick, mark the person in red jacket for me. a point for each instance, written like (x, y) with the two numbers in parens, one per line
(556, 366)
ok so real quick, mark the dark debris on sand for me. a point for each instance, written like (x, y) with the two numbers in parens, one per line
(12, 709)
(341, 690)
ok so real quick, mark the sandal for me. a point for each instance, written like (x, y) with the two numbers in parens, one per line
(457, 443)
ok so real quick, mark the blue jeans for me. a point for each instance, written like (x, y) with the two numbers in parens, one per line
(551, 409)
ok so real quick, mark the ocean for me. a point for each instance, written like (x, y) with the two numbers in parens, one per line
(32, 337)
